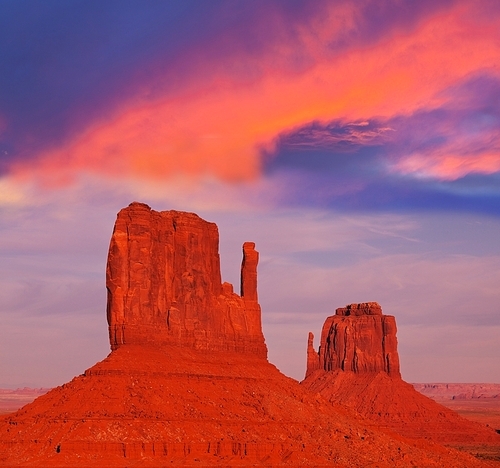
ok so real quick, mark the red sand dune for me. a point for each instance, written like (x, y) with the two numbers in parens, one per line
(188, 382)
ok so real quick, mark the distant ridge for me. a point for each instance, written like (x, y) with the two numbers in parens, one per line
(13, 399)
(459, 391)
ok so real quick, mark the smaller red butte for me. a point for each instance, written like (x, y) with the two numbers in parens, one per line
(359, 338)
(357, 366)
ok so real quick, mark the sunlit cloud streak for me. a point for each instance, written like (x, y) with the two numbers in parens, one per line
(435, 158)
(461, 137)
(221, 124)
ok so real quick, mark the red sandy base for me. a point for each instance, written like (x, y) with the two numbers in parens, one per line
(178, 407)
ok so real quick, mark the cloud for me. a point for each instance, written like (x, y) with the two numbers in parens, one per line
(445, 157)
(454, 140)
(449, 164)
(220, 125)
(459, 137)
(336, 135)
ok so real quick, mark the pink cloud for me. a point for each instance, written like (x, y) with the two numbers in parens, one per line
(448, 166)
(467, 148)
(221, 128)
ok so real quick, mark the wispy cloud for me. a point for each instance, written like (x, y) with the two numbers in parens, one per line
(335, 136)
(221, 124)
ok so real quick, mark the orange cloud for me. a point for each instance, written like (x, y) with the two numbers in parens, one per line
(463, 152)
(221, 129)
(449, 166)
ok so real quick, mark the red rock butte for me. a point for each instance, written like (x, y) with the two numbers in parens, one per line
(357, 366)
(164, 285)
(358, 339)
(187, 382)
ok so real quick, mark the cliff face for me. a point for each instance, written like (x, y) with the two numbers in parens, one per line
(164, 285)
(358, 339)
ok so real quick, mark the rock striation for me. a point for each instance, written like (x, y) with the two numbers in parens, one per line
(357, 366)
(164, 285)
(187, 382)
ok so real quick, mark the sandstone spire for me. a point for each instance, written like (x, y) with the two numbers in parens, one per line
(249, 272)
(312, 356)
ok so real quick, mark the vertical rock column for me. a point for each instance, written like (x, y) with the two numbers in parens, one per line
(312, 356)
(248, 288)
(249, 272)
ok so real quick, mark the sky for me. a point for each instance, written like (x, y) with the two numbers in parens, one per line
(356, 142)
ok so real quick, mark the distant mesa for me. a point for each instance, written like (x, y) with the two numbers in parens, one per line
(357, 365)
(11, 400)
(459, 391)
(187, 382)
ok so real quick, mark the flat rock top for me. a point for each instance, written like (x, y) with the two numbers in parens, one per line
(363, 308)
